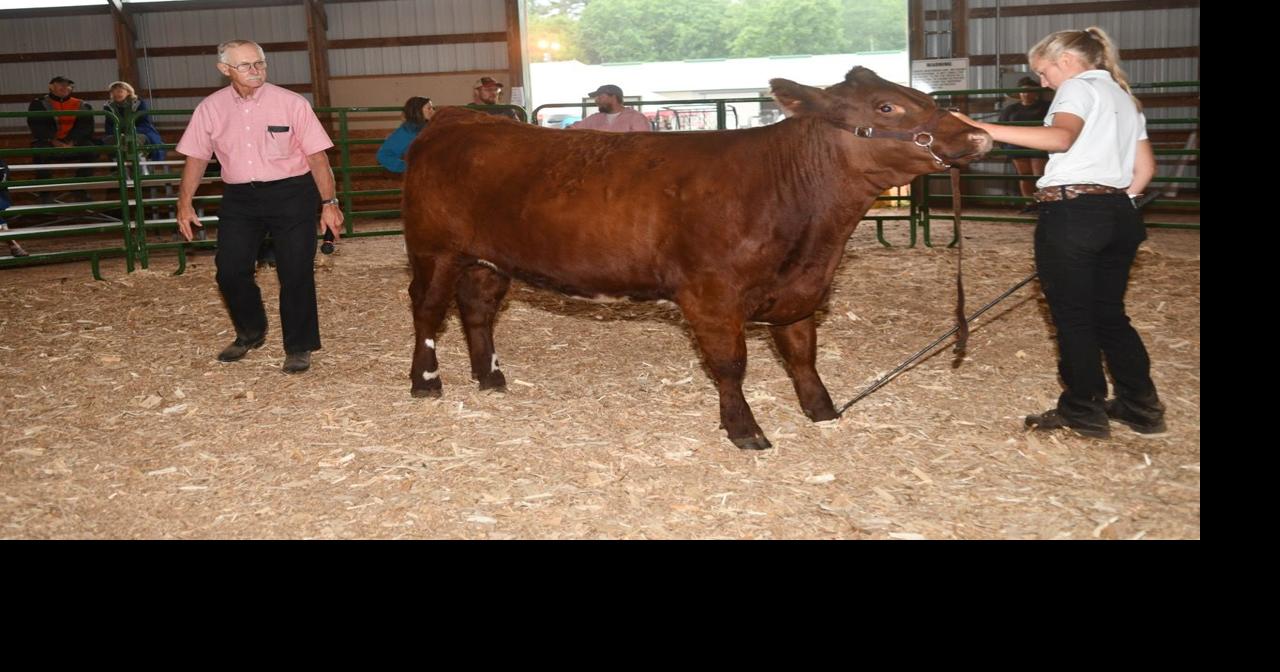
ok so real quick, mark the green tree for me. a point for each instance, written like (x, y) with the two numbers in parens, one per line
(615, 31)
(784, 27)
(559, 29)
(556, 21)
(875, 25)
(547, 8)
(600, 31)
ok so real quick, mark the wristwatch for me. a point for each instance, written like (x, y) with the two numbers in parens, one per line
(331, 201)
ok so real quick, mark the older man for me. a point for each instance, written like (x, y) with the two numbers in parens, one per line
(612, 115)
(271, 148)
(61, 131)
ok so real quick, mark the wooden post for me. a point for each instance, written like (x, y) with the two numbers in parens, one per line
(960, 43)
(959, 28)
(318, 51)
(515, 49)
(915, 36)
(126, 43)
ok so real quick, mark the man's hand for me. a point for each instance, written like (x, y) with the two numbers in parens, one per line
(191, 172)
(330, 215)
(186, 219)
(331, 220)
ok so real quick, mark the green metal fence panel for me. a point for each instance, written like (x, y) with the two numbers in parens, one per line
(122, 225)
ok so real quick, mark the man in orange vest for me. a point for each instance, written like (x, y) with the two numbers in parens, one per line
(61, 131)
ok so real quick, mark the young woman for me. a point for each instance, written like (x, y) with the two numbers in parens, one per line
(417, 113)
(1089, 230)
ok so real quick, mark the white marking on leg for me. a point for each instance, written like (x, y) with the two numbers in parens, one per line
(430, 343)
(430, 375)
(493, 363)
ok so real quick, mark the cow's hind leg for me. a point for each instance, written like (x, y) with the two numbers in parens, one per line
(798, 344)
(430, 291)
(480, 292)
(724, 348)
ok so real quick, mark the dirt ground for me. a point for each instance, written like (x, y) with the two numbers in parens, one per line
(120, 423)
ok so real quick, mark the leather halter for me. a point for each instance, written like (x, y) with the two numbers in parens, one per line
(921, 135)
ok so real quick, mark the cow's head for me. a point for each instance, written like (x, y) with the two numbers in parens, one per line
(925, 138)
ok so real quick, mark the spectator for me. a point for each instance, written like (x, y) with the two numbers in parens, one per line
(612, 115)
(61, 131)
(417, 114)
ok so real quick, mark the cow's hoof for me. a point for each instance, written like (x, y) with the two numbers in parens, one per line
(822, 414)
(494, 381)
(757, 442)
(427, 391)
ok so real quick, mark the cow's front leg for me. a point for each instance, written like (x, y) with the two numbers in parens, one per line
(724, 349)
(798, 344)
(480, 292)
(430, 292)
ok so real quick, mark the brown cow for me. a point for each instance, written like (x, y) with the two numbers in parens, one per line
(732, 226)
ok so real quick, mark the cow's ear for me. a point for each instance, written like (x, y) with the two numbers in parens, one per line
(798, 99)
(860, 75)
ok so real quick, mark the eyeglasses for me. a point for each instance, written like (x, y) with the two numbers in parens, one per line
(245, 67)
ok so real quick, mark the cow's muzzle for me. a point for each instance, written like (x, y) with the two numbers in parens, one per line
(977, 144)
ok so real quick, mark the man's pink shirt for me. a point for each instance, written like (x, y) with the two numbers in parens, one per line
(259, 139)
(627, 121)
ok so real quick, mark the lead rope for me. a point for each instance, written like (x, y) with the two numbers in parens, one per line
(962, 340)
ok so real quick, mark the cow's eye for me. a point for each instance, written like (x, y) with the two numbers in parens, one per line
(886, 108)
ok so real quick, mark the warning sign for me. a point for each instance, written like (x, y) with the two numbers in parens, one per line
(940, 74)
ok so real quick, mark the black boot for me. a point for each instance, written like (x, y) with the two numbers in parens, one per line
(1053, 419)
(1142, 418)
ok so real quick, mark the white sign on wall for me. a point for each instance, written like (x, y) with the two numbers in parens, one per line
(940, 74)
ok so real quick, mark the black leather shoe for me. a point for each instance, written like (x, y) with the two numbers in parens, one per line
(238, 349)
(297, 362)
(1138, 422)
(1052, 419)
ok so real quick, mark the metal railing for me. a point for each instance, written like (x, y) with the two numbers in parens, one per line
(100, 221)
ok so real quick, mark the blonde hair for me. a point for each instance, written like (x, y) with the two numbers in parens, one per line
(126, 86)
(1092, 46)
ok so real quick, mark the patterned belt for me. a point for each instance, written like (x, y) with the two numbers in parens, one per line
(1069, 191)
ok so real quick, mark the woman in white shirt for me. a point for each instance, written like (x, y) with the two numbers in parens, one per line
(1088, 232)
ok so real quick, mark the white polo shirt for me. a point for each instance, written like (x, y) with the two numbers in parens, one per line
(1105, 150)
